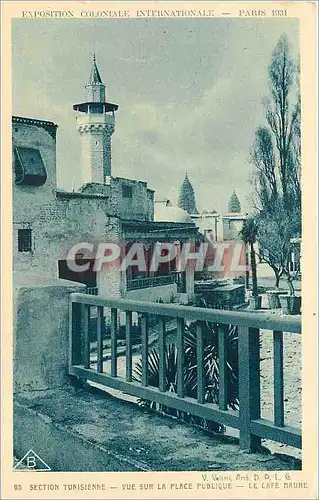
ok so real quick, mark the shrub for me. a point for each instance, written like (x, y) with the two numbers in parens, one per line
(211, 365)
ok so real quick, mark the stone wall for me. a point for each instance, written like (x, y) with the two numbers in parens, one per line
(39, 135)
(57, 219)
(131, 199)
(41, 338)
(57, 223)
(150, 202)
(32, 205)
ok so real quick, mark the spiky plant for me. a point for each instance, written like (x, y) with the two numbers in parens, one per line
(211, 366)
(211, 361)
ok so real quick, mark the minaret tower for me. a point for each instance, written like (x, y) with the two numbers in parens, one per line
(96, 124)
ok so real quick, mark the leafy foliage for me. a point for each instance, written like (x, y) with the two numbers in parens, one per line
(276, 155)
(249, 231)
(275, 231)
(281, 115)
(211, 369)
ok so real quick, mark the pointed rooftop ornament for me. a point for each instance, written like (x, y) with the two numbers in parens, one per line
(95, 99)
(95, 77)
(187, 197)
(234, 204)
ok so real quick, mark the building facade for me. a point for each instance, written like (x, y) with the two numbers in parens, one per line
(48, 221)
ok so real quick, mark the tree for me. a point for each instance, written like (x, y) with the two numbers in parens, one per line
(275, 230)
(294, 158)
(281, 117)
(265, 178)
(276, 155)
(248, 234)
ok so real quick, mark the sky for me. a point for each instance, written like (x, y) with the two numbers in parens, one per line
(189, 94)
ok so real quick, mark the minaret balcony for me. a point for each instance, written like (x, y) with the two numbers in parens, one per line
(96, 107)
(96, 119)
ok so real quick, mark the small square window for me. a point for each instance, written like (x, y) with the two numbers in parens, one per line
(127, 191)
(24, 240)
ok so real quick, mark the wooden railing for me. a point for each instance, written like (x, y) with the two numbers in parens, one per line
(248, 420)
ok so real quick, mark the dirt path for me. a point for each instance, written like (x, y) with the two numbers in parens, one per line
(292, 384)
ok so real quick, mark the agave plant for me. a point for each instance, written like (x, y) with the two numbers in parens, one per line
(211, 366)
(211, 361)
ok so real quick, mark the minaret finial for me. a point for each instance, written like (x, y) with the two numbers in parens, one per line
(95, 77)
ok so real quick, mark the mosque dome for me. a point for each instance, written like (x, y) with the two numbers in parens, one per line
(166, 212)
(234, 204)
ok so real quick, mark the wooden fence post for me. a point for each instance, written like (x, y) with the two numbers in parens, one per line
(75, 341)
(249, 386)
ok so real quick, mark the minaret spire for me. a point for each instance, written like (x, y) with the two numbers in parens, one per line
(96, 124)
(95, 77)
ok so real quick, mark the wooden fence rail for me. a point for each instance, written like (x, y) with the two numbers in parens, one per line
(248, 420)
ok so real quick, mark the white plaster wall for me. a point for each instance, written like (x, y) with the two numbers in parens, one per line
(189, 272)
(205, 224)
(95, 132)
(139, 207)
(110, 282)
(231, 228)
(41, 343)
(93, 157)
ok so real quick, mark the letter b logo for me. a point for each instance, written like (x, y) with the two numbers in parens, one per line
(31, 463)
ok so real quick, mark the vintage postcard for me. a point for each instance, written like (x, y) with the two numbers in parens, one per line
(159, 240)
